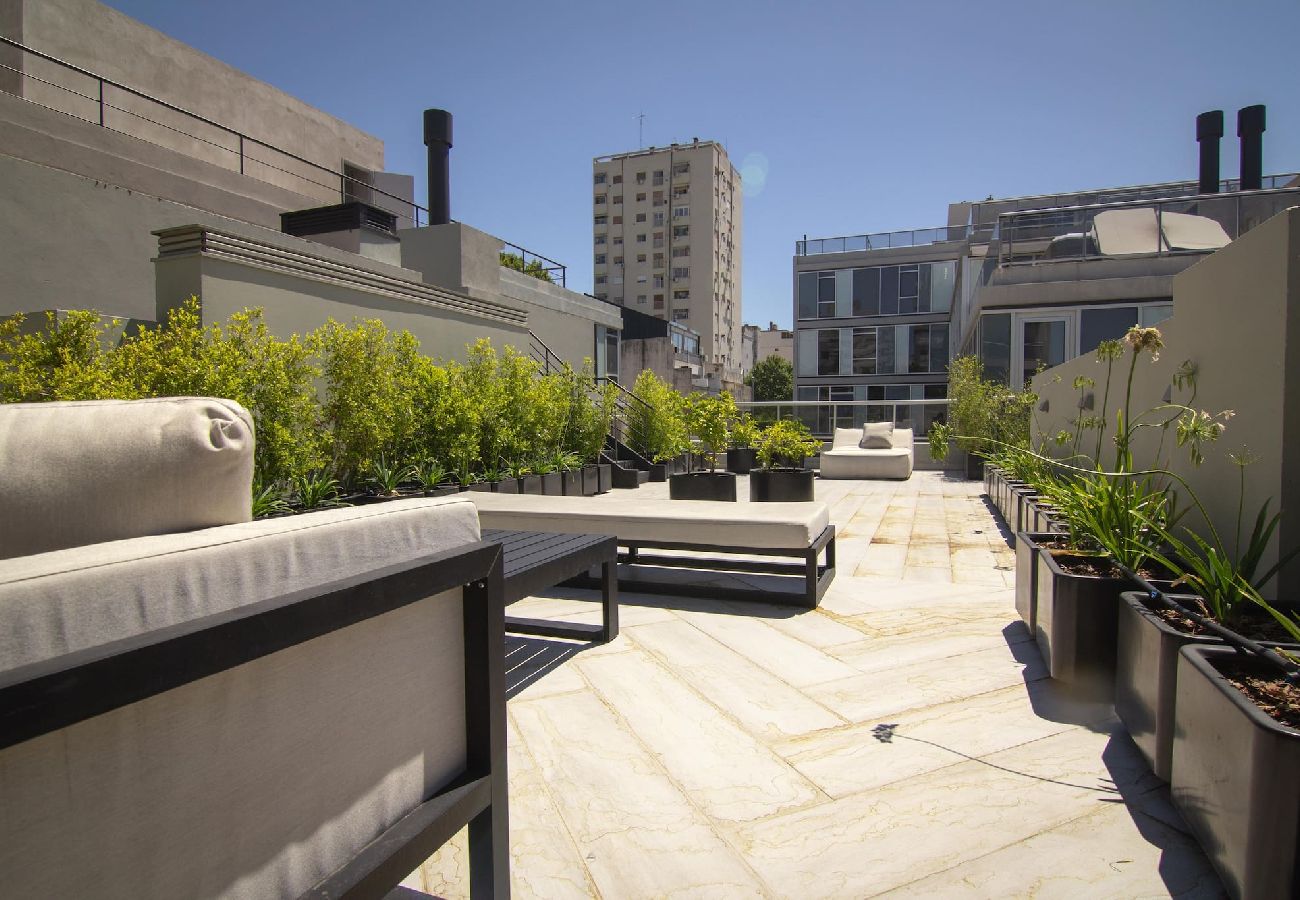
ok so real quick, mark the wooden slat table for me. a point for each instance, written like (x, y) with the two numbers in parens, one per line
(536, 560)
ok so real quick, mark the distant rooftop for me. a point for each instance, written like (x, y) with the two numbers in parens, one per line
(647, 151)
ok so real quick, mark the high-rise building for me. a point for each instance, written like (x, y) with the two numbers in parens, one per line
(666, 241)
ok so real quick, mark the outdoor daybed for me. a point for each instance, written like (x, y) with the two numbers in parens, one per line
(195, 704)
(799, 530)
(847, 458)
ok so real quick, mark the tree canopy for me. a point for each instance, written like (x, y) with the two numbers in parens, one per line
(772, 378)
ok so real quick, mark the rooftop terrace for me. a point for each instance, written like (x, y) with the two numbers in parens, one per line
(902, 739)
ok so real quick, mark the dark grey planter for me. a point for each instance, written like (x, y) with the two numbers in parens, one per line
(442, 490)
(703, 486)
(506, 486)
(741, 460)
(1236, 779)
(531, 484)
(1021, 509)
(572, 482)
(990, 473)
(553, 484)
(1007, 500)
(781, 485)
(481, 486)
(974, 467)
(659, 472)
(604, 478)
(1027, 575)
(625, 477)
(1146, 677)
(590, 481)
(1075, 627)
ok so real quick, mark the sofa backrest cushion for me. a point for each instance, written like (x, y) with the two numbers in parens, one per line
(846, 438)
(81, 472)
(877, 436)
(901, 438)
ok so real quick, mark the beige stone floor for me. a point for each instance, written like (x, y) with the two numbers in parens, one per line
(900, 740)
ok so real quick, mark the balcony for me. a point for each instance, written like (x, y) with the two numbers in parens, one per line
(883, 240)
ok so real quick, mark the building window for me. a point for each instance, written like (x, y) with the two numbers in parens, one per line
(640, 198)
(828, 351)
(681, 251)
(600, 279)
(640, 257)
(659, 281)
(679, 193)
(681, 295)
(600, 199)
(659, 198)
(618, 279)
(600, 240)
(640, 177)
(681, 212)
(659, 300)
(659, 218)
(618, 241)
(618, 179)
(640, 217)
(681, 315)
(995, 346)
(1097, 325)
(918, 351)
(864, 351)
(618, 260)
(618, 198)
(600, 259)
(826, 295)
(618, 220)
(878, 291)
(640, 298)
(640, 238)
(599, 220)
(641, 279)
(659, 238)
(659, 176)
(681, 274)
(680, 231)
(599, 178)
(682, 168)
(659, 260)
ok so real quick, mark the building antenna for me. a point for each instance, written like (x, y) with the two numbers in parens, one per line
(640, 130)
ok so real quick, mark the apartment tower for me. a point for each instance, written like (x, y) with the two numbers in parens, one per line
(666, 241)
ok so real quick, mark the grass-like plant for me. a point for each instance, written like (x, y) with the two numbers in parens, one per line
(268, 500)
(385, 477)
(431, 474)
(317, 490)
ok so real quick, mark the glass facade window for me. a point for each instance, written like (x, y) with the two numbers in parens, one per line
(1153, 313)
(828, 351)
(918, 354)
(995, 346)
(878, 290)
(864, 351)
(1097, 325)
(1044, 345)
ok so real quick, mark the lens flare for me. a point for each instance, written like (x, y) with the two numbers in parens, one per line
(753, 174)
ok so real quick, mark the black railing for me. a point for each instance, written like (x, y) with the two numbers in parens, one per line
(535, 262)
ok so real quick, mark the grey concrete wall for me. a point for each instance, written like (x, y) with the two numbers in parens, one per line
(300, 291)
(93, 36)
(1237, 318)
(67, 241)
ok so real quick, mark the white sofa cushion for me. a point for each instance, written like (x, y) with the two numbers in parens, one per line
(846, 437)
(257, 781)
(774, 526)
(74, 473)
(877, 436)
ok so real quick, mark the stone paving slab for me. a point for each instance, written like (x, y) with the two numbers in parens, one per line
(900, 740)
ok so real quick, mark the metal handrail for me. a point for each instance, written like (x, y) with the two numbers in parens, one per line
(556, 270)
(838, 417)
(884, 240)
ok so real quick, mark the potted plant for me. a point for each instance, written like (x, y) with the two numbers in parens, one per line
(741, 454)
(657, 425)
(982, 414)
(529, 482)
(782, 449)
(707, 418)
(434, 479)
(1235, 774)
(569, 465)
(552, 479)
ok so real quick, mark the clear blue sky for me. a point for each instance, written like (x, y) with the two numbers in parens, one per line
(865, 116)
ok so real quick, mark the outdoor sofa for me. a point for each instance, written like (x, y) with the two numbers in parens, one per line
(740, 531)
(847, 458)
(193, 704)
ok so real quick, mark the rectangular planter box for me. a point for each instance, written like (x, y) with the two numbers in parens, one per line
(1026, 509)
(1007, 506)
(741, 460)
(572, 482)
(590, 481)
(1146, 678)
(1027, 576)
(1236, 779)
(530, 484)
(659, 472)
(781, 486)
(625, 477)
(604, 478)
(553, 484)
(506, 486)
(442, 490)
(1075, 627)
(990, 473)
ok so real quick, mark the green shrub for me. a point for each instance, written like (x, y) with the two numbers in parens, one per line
(709, 419)
(786, 443)
(982, 414)
(69, 359)
(657, 425)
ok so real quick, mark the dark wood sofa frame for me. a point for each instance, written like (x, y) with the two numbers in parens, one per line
(50, 695)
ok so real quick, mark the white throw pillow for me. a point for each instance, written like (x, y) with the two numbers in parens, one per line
(876, 436)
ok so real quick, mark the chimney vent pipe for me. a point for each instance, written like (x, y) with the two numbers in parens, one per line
(1209, 129)
(1250, 128)
(437, 137)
